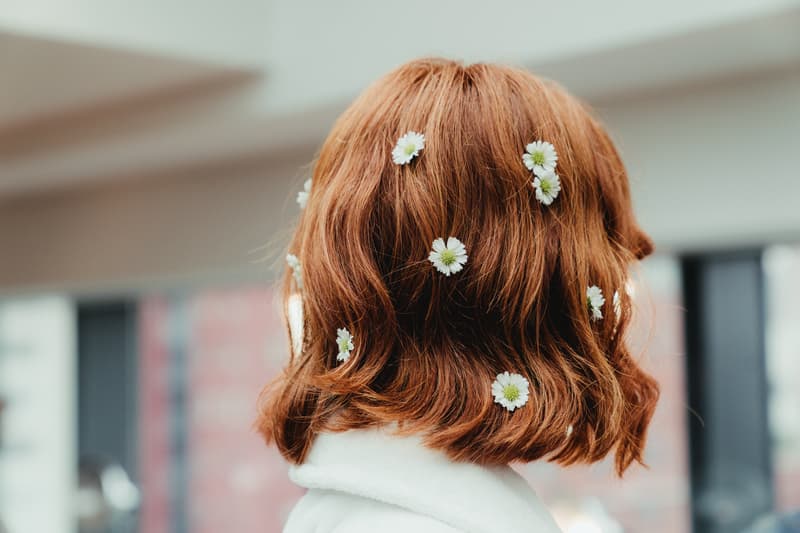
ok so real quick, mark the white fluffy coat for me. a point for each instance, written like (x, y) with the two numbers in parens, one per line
(363, 481)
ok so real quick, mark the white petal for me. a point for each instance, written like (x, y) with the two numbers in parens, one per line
(504, 380)
(527, 160)
(410, 139)
(400, 158)
(453, 245)
(595, 296)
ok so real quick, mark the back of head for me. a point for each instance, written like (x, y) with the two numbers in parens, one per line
(427, 347)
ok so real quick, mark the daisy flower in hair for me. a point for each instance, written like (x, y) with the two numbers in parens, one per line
(344, 341)
(547, 185)
(510, 390)
(302, 196)
(297, 272)
(408, 147)
(540, 156)
(448, 257)
(594, 301)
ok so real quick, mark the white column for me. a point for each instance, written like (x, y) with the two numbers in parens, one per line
(38, 382)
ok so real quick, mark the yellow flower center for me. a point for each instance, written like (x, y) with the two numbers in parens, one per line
(511, 392)
(538, 158)
(447, 257)
(344, 345)
(545, 185)
(410, 148)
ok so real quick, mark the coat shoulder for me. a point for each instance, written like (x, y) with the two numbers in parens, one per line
(336, 512)
(393, 520)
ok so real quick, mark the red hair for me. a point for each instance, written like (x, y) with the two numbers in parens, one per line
(427, 346)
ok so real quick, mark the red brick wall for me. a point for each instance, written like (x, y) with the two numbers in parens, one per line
(235, 343)
(154, 440)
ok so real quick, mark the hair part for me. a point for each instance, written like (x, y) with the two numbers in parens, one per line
(427, 347)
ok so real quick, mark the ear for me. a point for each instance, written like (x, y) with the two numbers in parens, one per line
(295, 311)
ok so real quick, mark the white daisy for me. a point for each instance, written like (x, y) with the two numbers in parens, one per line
(408, 147)
(510, 390)
(594, 301)
(345, 343)
(302, 196)
(295, 312)
(297, 271)
(547, 185)
(540, 156)
(448, 258)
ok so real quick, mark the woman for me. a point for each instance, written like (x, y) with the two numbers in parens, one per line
(460, 261)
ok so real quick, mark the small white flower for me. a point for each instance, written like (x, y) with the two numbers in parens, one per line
(408, 147)
(295, 316)
(345, 343)
(540, 156)
(448, 258)
(297, 270)
(594, 301)
(547, 185)
(302, 196)
(510, 390)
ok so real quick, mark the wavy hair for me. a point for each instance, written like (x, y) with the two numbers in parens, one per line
(427, 346)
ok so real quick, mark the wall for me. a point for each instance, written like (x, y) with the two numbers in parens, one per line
(716, 165)
(217, 225)
(712, 166)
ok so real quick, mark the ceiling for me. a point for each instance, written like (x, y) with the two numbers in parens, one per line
(77, 108)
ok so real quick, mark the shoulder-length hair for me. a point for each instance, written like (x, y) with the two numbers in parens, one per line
(427, 347)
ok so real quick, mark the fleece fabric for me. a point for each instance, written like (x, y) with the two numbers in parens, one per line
(369, 480)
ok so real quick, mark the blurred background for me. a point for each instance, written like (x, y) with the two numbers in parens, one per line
(150, 154)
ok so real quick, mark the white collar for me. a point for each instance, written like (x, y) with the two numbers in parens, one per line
(401, 471)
